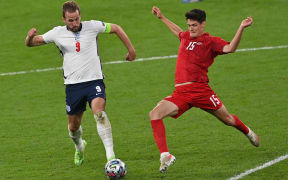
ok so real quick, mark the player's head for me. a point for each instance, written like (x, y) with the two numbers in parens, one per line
(71, 15)
(196, 20)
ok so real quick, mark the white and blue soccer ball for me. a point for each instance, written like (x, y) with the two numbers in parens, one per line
(115, 169)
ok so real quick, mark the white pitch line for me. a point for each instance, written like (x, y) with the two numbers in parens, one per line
(262, 48)
(267, 164)
(137, 60)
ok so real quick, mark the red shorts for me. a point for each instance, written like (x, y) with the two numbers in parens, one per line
(194, 95)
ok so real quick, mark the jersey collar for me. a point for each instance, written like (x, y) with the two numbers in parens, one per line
(199, 38)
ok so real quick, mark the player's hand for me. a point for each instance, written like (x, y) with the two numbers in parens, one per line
(32, 32)
(247, 22)
(156, 11)
(131, 55)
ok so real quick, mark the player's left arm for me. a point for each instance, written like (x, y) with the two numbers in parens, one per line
(229, 48)
(125, 39)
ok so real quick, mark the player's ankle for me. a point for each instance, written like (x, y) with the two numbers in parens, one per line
(163, 154)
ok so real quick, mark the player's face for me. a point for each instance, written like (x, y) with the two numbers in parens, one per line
(72, 20)
(196, 29)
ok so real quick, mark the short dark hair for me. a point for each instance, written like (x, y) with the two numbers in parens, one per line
(70, 6)
(196, 15)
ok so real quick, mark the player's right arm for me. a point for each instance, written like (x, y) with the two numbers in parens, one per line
(32, 39)
(173, 27)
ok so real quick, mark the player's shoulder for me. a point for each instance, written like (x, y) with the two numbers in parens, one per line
(216, 39)
(209, 36)
(59, 28)
(212, 38)
(184, 35)
(92, 22)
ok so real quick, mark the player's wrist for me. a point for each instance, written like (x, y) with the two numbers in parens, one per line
(161, 17)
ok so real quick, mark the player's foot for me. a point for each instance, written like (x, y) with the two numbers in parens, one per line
(166, 161)
(79, 155)
(254, 139)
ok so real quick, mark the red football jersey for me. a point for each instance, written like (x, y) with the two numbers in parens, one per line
(195, 56)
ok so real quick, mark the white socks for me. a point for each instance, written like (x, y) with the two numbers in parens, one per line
(105, 132)
(76, 137)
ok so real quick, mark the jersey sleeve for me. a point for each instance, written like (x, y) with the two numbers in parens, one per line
(101, 27)
(49, 36)
(218, 44)
(182, 35)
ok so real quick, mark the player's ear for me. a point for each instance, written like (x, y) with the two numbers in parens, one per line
(203, 24)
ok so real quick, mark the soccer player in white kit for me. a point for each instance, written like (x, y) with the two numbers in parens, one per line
(82, 71)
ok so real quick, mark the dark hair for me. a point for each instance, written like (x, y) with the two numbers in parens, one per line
(196, 15)
(70, 6)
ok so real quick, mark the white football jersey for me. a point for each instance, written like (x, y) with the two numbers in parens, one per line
(81, 61)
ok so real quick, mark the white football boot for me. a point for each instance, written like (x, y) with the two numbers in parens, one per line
(166, 160)
(254, 139)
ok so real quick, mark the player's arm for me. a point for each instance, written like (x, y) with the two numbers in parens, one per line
(125, 39)
(32, 39)
(229, 48)
(173, 27)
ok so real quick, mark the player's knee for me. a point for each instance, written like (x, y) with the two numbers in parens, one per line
(228, 120)
(151, 114)
(154, 115)
(102, 120)
(73, 127)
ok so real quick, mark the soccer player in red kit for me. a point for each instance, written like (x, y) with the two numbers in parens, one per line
(196, 53)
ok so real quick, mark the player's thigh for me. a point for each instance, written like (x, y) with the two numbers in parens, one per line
(163, 109)
(75, 99)
(222, 114)
(96, 95)
(98, 104)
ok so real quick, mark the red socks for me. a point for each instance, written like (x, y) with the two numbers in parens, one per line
(159, 134)
(240, 125)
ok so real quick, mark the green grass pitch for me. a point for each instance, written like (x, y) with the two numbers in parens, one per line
(253, 84)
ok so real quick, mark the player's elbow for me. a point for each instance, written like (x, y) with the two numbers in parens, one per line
(232, 50)
(229, 49)
(28, 44)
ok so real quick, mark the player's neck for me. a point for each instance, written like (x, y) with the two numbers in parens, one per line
(79, 29)
(197, 36)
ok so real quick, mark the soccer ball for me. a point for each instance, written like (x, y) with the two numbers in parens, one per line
(115, 169)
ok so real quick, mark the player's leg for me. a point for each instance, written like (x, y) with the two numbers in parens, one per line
(103, 126)
(163, 109)
(75, 106)
(75, 130)
(232, 120)
(75, 133)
